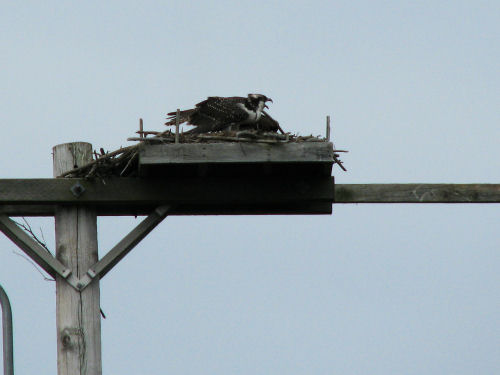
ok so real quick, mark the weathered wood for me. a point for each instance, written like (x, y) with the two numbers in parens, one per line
(122, 248)
(69, 156)
(36, 252)
(78, 312)
(236, 153)
(138, 196)
(417, 193)
(27, 210)
(8, 336)
(237, 159)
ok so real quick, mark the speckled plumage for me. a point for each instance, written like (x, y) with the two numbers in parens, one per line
(219, 113)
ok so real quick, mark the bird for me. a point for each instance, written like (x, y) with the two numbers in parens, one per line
(218, 113)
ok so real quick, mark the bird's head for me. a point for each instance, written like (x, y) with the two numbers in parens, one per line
(257, 99)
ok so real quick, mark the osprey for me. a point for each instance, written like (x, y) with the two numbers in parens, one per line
(219, 113)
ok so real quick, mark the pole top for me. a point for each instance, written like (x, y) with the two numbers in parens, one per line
(68, 156)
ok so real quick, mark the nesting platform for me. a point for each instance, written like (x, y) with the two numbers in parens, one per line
(256, 160)
(204, 178)
(248, 178)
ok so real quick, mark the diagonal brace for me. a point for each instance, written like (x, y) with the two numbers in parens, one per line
(36, 252)
(122, 248)
(53, 266)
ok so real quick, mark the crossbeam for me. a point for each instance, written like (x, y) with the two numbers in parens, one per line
(54, 267)
(191, 196)
(417, 193)
(138, 196)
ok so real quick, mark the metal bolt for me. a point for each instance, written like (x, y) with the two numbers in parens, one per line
(77, 189)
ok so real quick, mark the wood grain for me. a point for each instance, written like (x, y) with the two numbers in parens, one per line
(78, 313)
(217, 196)
(417, 193)
(186, 153)
(192, 196)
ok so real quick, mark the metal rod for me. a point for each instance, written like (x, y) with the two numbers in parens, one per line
(141, 128)
(177, 118)
(8, 340)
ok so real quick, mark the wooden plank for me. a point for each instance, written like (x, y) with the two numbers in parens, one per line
(306, 159)
(312, 207)
(220, 153)
(137, 196)
(78, 312)
(127, 243)
(20, 210)
(36, 252)
(222, 196)
(417, 193)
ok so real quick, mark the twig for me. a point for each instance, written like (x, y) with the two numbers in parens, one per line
(104, 157)
(339, 163)
(27, 227)
(33, 264)
(43, 237)
(92, 170)
(129, 162)
(151, 139)
(219, 138)
(147, 132)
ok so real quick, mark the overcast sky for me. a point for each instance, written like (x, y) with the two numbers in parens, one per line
(413, 91)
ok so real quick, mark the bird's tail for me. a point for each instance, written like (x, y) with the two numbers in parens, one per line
(183, 117)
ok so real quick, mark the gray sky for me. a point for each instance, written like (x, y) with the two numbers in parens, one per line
(413, 91)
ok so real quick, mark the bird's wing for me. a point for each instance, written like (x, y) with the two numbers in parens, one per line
(217, 113)
(225, 110)
(267, 123)
(213, 114)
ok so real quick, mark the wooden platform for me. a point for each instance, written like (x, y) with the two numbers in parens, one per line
(290, 160)
(194, 179)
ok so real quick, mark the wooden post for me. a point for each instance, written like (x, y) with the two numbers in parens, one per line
(328, 129)
(177, 122)
(78, 312)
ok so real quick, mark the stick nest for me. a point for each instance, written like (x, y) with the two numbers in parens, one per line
(124, 161)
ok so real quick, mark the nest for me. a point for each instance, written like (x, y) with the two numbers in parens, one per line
(124, 161)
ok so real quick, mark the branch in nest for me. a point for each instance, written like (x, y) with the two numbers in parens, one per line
(237, 139)
(146, 133)
(134, 156)
(101, 159)
(339, 163)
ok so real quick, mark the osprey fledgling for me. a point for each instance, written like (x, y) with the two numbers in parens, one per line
(218, 113)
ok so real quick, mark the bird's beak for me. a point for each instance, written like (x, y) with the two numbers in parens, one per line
(269, 100)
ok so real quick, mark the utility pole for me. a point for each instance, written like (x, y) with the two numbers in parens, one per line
(203, 179)
(78, 312)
